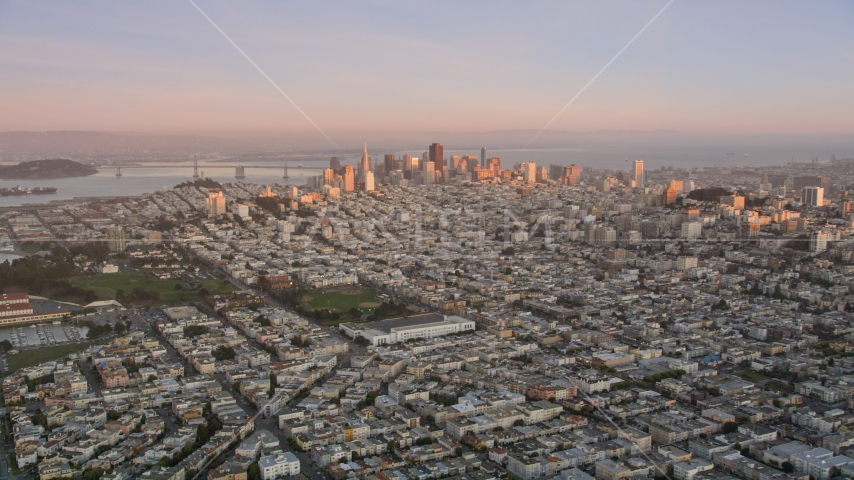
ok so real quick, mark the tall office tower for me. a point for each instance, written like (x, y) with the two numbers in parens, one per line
(215, 202)
(389, 163)
(555, 172)
(572, 174)
(495, 164)
(811, 181)
(328, 176)
(529, 171)
(334, 163)
(349, 178)
(637, 174)
(429, 173)
(369, 181)
(542, 175)
(813, 196)
(407, 165)
(483, 157)
(364, 164)
(116, 239)
(437, 156)
(765, 178)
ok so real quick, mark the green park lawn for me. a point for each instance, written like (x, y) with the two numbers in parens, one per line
(28, 358)
(751, 376)
(106, 285)
(342, 299)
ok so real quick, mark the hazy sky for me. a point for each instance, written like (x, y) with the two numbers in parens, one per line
(158, 66)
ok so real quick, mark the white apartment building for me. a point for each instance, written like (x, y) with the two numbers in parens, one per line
(593, 382)
(280, 465)
(688, 470)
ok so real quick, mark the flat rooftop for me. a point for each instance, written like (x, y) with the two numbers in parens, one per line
(411, 321)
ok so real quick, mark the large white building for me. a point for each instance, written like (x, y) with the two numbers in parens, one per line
(426, 325)
(277, 466)
(692, 230)
(813, 196)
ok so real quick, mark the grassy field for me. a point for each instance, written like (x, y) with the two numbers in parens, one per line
(342, 299)
(28, 358)
(751, 376)
(106, 285)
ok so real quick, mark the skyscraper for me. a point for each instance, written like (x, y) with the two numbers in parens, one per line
(215, 202)
(483, 157)
(572, 174)
(813, 196)
(407, 165)
(369, 181)
(389, 163)
(334, 163)
(116, 239)
(349, 178)
(328, 176)
(429, 173)
(365, 164)
(637, 175)
(529, 171)
(437, 157)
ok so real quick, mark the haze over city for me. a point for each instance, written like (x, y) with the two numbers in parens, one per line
(260, 240)
(387, 68)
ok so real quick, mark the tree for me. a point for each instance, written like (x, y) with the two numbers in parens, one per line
(203, 292)
(6, 345)
(119, 328)
(39, 418)
(519, 423)
(113, 415)
(730, 427)
(223, 352)
(195, 330)
(92, 473)
(202, 434)
(254, 472)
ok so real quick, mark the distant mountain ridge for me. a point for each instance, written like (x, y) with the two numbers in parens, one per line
(51, 168)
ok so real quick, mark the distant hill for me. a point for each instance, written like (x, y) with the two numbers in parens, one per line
(54, 168)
